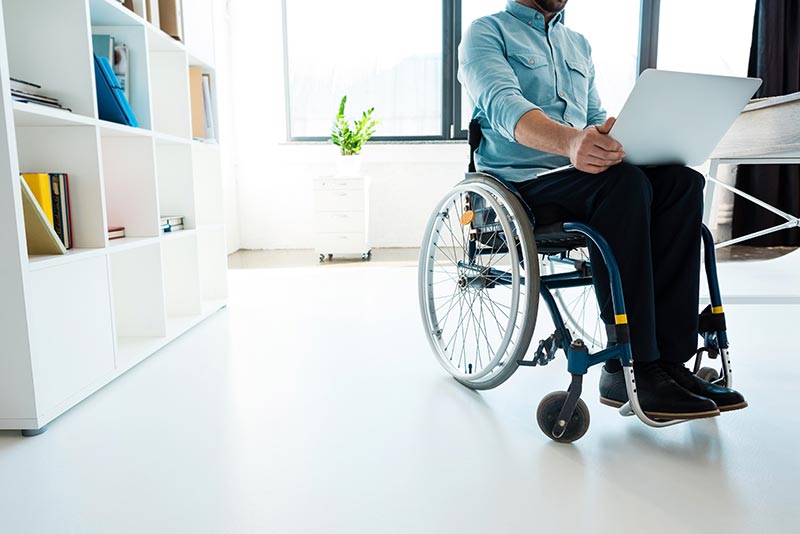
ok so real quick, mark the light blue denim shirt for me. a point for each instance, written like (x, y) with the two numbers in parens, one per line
(511, 63)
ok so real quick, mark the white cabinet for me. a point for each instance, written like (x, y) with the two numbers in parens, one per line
(341, 216)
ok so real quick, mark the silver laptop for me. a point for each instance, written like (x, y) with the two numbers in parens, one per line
(678, 117)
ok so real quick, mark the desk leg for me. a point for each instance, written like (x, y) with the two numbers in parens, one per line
(711, 186)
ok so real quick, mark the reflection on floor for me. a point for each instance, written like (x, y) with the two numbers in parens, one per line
(313, 404)
(267, 259)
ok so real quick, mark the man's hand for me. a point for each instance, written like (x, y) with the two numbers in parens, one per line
(592, 150)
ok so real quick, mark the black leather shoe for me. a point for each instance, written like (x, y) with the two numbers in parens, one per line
(659, 395)
(726, 399)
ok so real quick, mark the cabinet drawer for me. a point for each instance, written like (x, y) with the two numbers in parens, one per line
(341, 243)
(339, 200)
(339, 183)
(344, 222)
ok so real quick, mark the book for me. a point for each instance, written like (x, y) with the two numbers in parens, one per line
(69, 209)
(153, 13)
(39, 234)
(26, 87)
(171, 220)
(40, 103)
(59, 219)
(62, 216)
(111, 102)
(116, 232)
(34, 97)
(198, 106)
(39, 184)
(210, 127)
(171, 18)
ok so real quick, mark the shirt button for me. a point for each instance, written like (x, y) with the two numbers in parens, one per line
(561, 94)
(530, 22)
(538, 16)
(532, 61)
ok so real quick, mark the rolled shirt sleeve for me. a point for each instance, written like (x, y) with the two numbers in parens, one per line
(490, 81)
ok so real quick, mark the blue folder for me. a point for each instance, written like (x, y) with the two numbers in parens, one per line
(111, 102)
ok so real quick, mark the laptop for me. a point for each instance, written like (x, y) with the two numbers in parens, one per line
(678, 117)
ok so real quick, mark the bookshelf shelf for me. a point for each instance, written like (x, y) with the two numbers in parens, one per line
(75, 322)
(112, 129)
(110, 13)
(75, 254)
(161, 42)
(126, 243)
(26, 114)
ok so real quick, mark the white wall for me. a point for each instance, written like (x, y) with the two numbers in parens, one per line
(227, 130)
(274, 178)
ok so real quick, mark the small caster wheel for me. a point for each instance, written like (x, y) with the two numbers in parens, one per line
(547, 414)
(322, 258)
(330, 257)
(708, 374)
(366, 256)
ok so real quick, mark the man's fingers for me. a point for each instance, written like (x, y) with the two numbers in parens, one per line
(602, 154)
(602, 162)
(606, 143)
(606, 126)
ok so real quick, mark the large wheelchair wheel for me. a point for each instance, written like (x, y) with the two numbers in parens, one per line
(578, 305)
(479, 282)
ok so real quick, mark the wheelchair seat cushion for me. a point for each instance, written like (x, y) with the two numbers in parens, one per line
(549, 231)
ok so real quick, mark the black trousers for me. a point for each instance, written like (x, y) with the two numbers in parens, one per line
(652, 219)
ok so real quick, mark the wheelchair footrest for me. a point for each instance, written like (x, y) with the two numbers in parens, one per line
(545, 352)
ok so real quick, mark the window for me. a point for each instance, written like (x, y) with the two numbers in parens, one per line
(710, 37)
(403, 61)
(614, 52)
(387, 58)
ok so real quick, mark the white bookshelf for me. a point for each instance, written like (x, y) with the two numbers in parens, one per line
(72, 323)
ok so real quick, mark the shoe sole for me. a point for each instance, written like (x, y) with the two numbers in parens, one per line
(666, 416)
(731, 407)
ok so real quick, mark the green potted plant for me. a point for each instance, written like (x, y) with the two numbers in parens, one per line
(350, 140)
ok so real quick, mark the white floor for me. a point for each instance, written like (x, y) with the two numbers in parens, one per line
(313, 405)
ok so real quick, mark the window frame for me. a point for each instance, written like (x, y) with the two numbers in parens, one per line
(451, 127)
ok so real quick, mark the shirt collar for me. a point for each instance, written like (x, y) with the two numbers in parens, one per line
(530, 16)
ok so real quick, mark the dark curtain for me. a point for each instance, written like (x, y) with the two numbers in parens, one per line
(775, 58)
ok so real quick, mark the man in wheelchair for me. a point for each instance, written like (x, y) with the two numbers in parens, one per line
(532, 81)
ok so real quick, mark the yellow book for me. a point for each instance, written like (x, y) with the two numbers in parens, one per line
(39, 184)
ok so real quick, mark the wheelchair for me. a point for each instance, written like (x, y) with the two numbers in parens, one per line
(485, 263)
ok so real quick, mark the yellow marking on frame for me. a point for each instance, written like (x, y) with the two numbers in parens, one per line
(621, 319)
(716, 309)
(467, 217)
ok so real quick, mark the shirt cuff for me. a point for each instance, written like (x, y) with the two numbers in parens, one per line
(510, 112)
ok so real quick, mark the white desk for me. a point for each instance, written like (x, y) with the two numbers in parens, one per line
(767, 132)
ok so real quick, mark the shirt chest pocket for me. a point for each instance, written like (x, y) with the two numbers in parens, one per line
(579, 78)
(534, 74)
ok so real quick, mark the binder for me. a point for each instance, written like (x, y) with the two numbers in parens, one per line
(111, 102)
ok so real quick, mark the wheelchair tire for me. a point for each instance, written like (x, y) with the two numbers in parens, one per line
(548, 411)
(478, 296)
